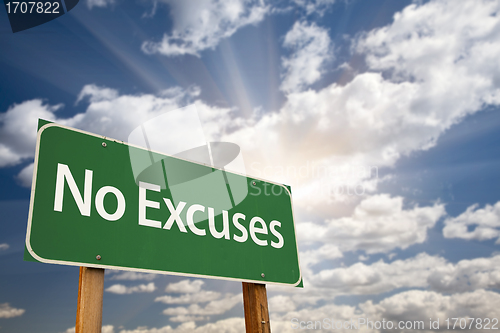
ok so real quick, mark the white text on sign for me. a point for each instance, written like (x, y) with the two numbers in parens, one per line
(257, 225)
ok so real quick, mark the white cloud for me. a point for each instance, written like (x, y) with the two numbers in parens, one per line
(185, 286)
(200, 25)
(379, 224)
(230, 325)
(6, 311)
(97, 94)
(117, 115)
(315, 6)
(434, 65)
(486, 223)
(104, 329)
(4, 246)
(215, 303)
(311, 47)
(122, 290)
(108, 113)
(466, 275)
(413, 305)
(201, 296)
(26, 175)
(439, 65)
(187, 318)
(281, 303)
(439, 42)
(371, 121)
(283, 322)
(421, 271)
(417, 305)
(215, 307)
(378, 277)
(324, 252)
(18, 130)
(99, 3)
(131, 276)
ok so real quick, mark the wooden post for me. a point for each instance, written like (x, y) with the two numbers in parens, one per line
(255, 305)
(89, 309)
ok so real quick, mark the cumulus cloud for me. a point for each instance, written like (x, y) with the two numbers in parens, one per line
(283, 322)
(6, 311)
(195, 312)
(201, 25)
(216, 303)
(185, 286)
(108, 113)
(230, 325)
(397, 107)
(315, 6)
(311, 49)
(466, 275)
(426, 71)
(417, 305)
(131, 276)
(379, 224)
(422, 271)
(485, 222)
(18, 130)
(26, 175)
(104, 329)
(378, 277)
(122, 290)
(115, 115)
(281, 303)
(324, 252)
(413, 306)
(4, 246)
(400, 105)
(460, 41)
(97, 94)
(201, 296)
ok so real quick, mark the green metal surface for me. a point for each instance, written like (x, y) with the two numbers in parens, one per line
(69, 237)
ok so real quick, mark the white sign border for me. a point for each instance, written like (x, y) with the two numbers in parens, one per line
(141, 270)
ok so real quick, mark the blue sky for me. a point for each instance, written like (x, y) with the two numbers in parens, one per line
(407, 90)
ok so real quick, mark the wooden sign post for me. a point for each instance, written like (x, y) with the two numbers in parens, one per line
(255, 306)
(69, 157)
(89, 308)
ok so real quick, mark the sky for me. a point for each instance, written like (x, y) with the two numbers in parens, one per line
(381, 115)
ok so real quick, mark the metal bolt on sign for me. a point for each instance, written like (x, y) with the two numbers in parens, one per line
(69, 157)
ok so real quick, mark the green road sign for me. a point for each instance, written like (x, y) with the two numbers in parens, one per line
(99, 202)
